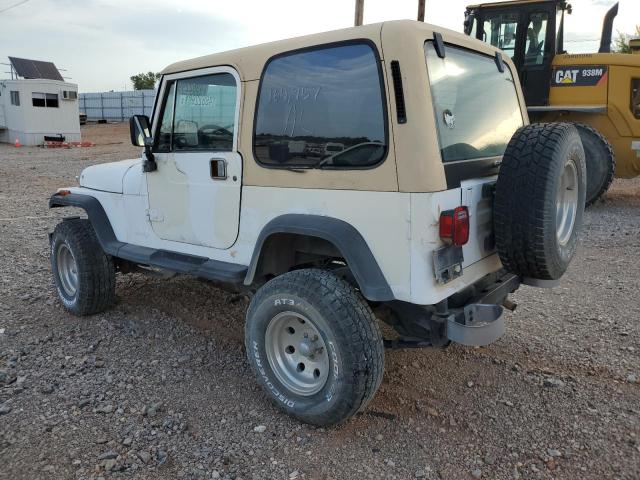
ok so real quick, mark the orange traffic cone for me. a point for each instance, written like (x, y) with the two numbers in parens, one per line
(18, 144)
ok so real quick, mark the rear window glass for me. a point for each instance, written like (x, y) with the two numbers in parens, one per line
(476, 107)
(322, 108)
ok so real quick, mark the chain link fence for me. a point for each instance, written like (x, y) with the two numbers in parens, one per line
(116, 106)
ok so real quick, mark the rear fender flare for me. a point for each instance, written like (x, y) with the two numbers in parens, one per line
(343, 236)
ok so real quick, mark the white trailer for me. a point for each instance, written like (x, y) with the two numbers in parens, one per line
(31, 109)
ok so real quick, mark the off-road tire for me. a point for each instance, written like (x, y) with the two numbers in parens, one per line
(346, 324)
(600, 161)
(525, 200)
(95, 290)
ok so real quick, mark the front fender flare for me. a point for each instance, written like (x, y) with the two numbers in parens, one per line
(96, 214)
(343, 236)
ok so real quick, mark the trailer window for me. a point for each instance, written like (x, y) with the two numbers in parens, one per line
(40, 99)
(51, 100)
(37, 99)
(476, 107)
(15, 98)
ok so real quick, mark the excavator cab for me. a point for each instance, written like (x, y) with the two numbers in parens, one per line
(528, 31)
(597, 92)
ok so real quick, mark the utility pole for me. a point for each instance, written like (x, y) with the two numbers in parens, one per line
(421, 10)
(359, 12)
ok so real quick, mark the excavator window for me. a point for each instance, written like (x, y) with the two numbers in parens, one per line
(635, 97)
(536, 34)
(500, 30)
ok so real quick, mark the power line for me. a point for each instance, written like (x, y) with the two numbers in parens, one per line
(13, 6)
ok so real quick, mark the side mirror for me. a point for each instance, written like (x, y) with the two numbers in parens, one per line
(140, 130)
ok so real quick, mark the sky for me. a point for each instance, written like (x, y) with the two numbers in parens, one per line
(100, 44)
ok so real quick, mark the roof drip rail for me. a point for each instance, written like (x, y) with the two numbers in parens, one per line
(499, 62)
(438, 43)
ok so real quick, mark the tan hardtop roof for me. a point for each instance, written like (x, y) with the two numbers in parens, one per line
(249, 61)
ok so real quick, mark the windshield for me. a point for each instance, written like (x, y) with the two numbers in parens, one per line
(476, 107)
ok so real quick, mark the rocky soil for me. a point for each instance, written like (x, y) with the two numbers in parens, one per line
(158, 387)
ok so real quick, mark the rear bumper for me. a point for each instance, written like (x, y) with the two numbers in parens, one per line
(480, 321)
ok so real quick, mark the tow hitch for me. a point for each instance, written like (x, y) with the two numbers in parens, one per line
(483, 324)
(477, 322)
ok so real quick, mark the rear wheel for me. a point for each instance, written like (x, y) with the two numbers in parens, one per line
(600, 162)
(83, 274)
(539, 201)
(315, 346)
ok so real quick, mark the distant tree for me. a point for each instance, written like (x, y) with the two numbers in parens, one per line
(145, 81)
(621, 43)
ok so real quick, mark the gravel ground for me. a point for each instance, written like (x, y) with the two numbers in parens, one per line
(158, 386)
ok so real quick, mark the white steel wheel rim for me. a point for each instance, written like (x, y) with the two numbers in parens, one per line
(297, 353)
(67, 270)
(567, 202)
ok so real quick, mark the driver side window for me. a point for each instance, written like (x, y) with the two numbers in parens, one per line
(199, 114)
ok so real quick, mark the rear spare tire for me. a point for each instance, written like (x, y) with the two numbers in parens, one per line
(539, 200)
(600, 162)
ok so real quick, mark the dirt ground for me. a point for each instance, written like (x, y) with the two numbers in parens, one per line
(158, 386)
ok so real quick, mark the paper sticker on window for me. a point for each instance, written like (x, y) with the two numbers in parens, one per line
(449, 118)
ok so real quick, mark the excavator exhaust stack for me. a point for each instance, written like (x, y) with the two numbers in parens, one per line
(607, 29)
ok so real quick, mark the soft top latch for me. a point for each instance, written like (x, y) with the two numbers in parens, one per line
(499, 62)
(438, 43)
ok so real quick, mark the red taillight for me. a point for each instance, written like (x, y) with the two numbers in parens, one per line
(454, 225)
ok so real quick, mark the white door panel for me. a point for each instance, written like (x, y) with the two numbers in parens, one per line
(186, 203)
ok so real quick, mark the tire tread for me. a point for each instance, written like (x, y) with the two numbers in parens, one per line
(358, 323)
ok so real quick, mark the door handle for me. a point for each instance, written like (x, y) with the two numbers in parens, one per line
(218, 168)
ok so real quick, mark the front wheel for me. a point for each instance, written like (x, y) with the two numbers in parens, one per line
(83, 274)
(315, 346)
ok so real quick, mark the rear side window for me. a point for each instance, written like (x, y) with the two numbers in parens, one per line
(322, 108)
(476, 107)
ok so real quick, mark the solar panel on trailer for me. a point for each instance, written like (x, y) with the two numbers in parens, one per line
(35, 68)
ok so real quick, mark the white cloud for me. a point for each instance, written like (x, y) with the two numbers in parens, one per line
(102, 43)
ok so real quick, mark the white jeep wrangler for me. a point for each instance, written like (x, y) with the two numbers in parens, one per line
(385, 171)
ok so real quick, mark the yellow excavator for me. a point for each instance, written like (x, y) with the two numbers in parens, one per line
(599, 92)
